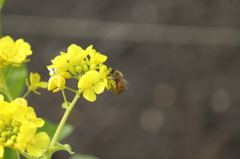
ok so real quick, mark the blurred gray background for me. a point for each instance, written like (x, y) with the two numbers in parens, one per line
(180, 57)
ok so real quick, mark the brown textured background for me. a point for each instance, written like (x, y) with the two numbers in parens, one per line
(184, 102)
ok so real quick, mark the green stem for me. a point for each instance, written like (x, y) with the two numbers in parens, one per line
(7, 92)
(17, 155)
(26, 94)
(9, 72)
(26, 155)
(71, 89)
(64, 96)
(63, 121)
(4, 83)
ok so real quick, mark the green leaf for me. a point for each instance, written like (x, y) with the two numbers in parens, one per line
(79, 156)
(51, 128)
(1, 4)
(10, 153)
(16, 80)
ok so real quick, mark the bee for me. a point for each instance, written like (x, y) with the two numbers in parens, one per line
(121, 83)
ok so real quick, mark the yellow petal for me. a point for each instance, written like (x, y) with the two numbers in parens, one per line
(56, 81)
(1, 98)
(21, 142)
(38, 121)
(34, 77)
(101, 58)
(99, 87)
(28, 129)
(1, 151)
(89, 95)
(19, 115)
(42, 84)
(42, 140)
(90, 77)
(89, 50)
(74, 48)
(35, 150)
(103, 71)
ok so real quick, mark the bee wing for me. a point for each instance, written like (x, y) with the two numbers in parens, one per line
(126, 84)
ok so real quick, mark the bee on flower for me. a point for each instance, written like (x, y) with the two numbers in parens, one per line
(86, 66)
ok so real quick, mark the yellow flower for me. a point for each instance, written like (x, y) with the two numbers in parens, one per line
(87, 66)
(27, 114)
(38, 144)
(60, 60)
(78, 55)
(26, 130)
(35, 144)
(18, 126)
(95, 57)
(57, 82)
(13, 53)
(23, 48)
(21, 112)
(104, 72)
(6, 108)
(90, 84)
(35, 83)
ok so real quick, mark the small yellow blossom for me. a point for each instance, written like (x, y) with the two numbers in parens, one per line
(95, 57)
(57, 82)
(35, 83)
(6, 108)
(104, 72)
(35, 144)
(90, 84)
(78, 55)
(38, 144)
(60, 60)
(13, 53)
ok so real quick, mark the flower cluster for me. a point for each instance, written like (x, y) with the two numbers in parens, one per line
(13, 53)
(18, 126)
(18, 121)
(87, 66)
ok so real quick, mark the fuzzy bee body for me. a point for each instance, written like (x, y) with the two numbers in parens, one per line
(121, 83)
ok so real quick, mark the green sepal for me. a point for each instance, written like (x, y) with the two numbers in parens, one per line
(59, 147)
